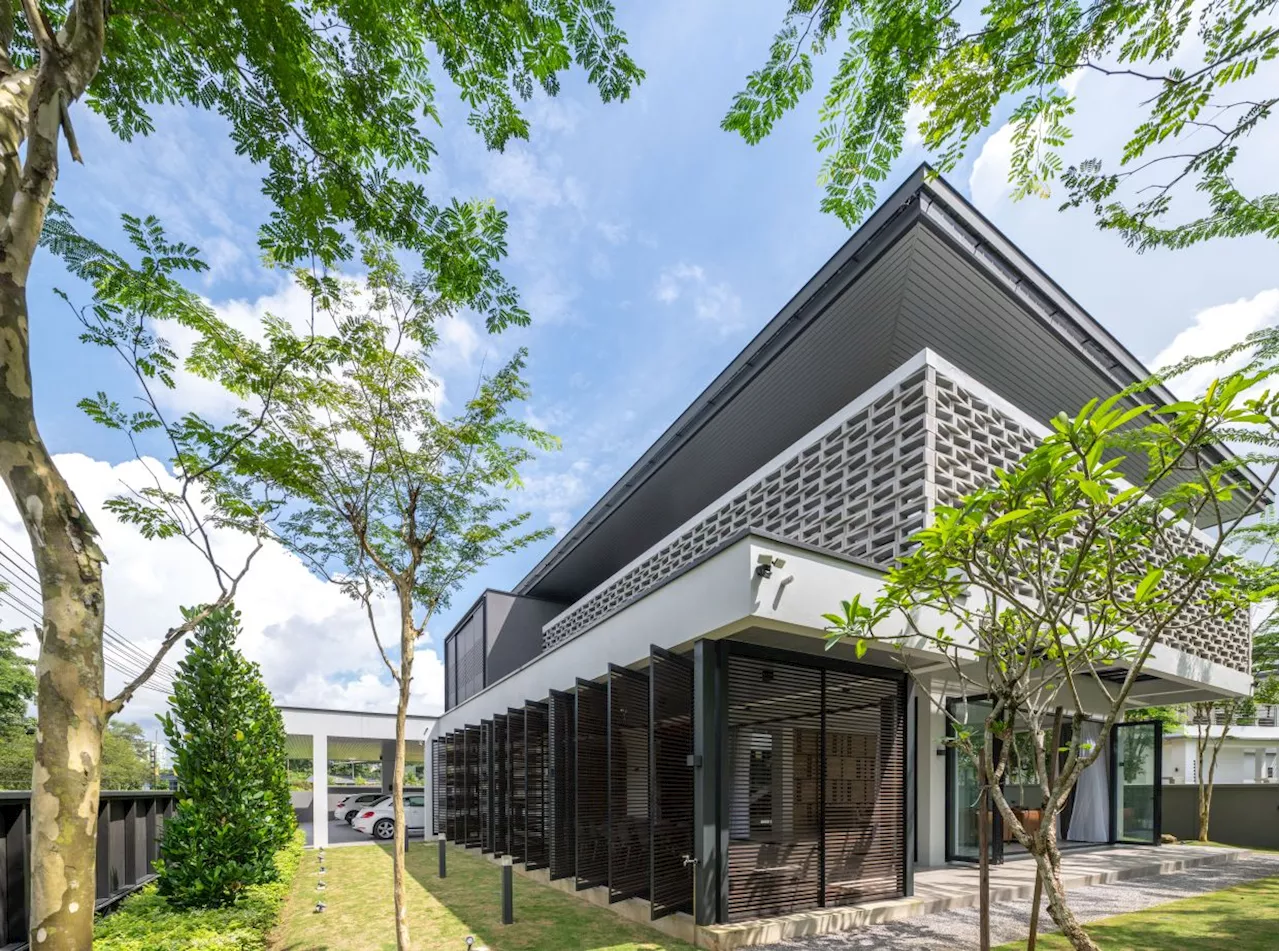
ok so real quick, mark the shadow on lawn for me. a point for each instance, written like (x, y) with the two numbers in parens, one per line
(1239, 918)
(545, 919)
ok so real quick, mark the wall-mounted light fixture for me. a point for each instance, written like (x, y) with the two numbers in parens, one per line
(765, 563)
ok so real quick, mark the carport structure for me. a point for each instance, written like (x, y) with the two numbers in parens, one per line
(325, 736)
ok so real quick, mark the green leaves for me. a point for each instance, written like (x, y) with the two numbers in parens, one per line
(334, 104)
(897, 54)
(227, 739)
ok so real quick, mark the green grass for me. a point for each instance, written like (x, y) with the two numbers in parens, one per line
(1240, 918)
(443, 912)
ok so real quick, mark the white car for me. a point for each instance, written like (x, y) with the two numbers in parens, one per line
(350, 805)
(379, 819)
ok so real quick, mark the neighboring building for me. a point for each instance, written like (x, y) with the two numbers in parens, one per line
(1248, 754)
(664, 691)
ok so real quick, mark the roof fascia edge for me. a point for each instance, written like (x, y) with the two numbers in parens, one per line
(864, 247)
(1057, 310)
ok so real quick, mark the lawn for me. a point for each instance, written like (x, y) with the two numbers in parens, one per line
(443, 913)
(1240, 918)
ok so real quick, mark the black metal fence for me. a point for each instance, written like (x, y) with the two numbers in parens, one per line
(129, 828)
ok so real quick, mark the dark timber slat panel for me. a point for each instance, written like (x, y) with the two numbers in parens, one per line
(816, 782)
(560, 781)
(670, 782)
(515, 782)
(487, 786)
(628, 784)
(471, 786)
(438, 788)
(501, 789)
(591, 796)
(774, 782)
(864, 789)
(535, 784)
(451, 783)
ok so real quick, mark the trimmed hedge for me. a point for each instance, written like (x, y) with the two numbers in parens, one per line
(147, 922)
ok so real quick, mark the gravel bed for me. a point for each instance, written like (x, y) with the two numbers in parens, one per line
(959, 929)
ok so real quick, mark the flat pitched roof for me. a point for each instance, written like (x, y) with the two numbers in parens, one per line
(926, 269)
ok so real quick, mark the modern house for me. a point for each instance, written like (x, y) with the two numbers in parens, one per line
(1248, 754)
(651, 711)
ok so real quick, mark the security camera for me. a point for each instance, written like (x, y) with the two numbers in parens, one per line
(764, 571)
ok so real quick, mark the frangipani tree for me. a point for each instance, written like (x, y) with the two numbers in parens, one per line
(1061, 569)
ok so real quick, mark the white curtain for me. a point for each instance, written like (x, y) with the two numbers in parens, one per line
(1089, 814)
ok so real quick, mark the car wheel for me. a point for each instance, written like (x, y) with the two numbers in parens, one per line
(351, 815)
(384, 829)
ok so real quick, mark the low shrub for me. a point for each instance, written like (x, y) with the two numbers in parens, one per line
(148, 921)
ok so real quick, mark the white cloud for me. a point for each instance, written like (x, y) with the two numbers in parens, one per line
(313, 643)
(916, 114)
(715, 303)
(615, 232)
(555, 114)
(1212, 330)
(989, 180)
(518, 174)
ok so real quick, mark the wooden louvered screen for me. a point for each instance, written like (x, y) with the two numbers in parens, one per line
(628, 784)
(535, 784)
(486, 786)
(501, 791)
(815, 784)
(515, 782)
(438, 789)
(591, 794)
(865, 793)
(471, 785)
(451, 785)
(560, 784)
(670, 783)
(774, 787)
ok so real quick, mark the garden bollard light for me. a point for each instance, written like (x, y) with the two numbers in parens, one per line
(508, 914)
(440, 844)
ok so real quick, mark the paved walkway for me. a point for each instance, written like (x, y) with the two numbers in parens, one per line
(959, 929)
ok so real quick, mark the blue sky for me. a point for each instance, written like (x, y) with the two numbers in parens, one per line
(649, 247)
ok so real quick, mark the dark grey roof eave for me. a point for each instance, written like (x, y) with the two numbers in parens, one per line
(923, 195)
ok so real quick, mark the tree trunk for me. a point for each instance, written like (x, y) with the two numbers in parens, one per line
(1049, 865)
(984, 854)
(71, 712)
(1052, 771)
(407, 638)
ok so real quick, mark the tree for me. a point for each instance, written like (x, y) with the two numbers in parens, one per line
(17, 684)
(331, 103)
(228, 744)
(123, 766)
(126, 764)
(1061, 568)
(959, 64)
(389, 496)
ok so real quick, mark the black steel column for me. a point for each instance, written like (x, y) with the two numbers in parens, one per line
(710, 830)
(910, 746)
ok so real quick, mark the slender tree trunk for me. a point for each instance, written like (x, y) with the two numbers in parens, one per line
(71, 711)
(984, 853)
(1049, 865)
(408, 635)
(1056, 739)
(1204, 775)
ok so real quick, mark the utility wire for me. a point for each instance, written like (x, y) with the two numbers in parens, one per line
(31, 583)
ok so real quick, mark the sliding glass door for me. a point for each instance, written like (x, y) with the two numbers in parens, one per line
(1135, 792)
(964, 790)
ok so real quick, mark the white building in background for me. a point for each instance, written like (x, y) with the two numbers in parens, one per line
(1247, 756)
